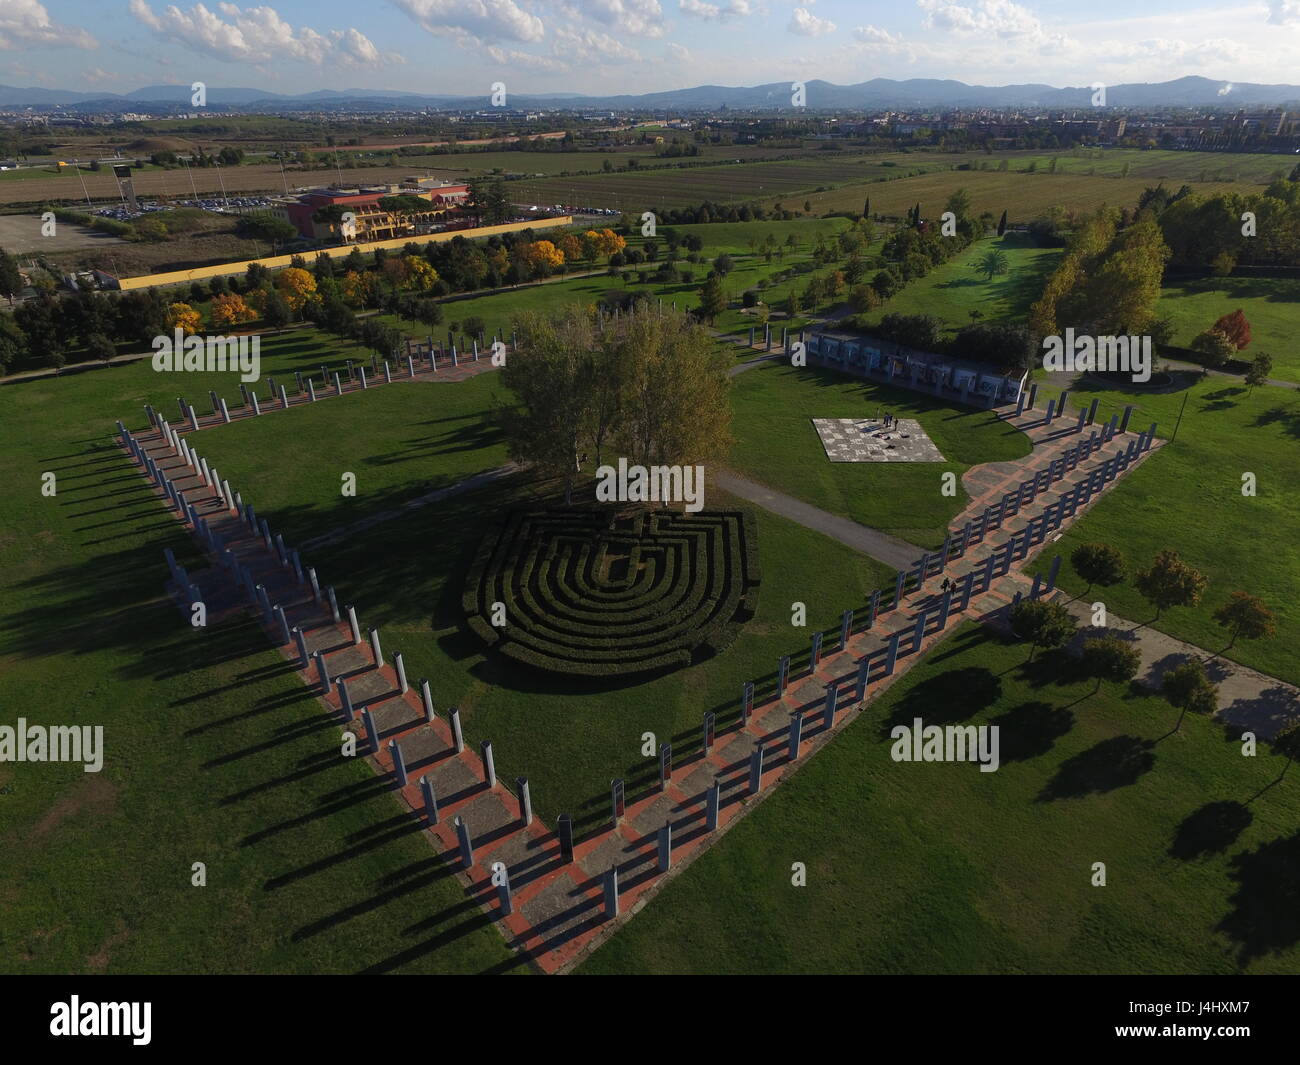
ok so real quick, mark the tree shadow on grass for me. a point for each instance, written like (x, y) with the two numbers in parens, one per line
(1110, 764)
(1031, 729)
(946, 699)
(1265, 914)
(1210, 830)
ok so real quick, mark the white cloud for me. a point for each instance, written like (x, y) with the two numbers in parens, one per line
(256, 35)
(717, 12)
(486, 20)
(875, 35)
(26, 24)
(631, 18)
(510, 57)
(592, 45)
(804, 23)
(680, 53)
(1284, 12)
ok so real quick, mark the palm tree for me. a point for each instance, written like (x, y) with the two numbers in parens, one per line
(992, 263)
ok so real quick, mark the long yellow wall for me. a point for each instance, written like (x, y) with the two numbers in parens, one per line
(177, 277)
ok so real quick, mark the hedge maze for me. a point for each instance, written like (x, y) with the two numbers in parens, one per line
(596, 593)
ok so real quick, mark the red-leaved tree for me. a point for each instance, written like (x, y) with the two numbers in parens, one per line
(1235, 327)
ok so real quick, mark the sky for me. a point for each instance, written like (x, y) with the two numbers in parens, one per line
(634, 46)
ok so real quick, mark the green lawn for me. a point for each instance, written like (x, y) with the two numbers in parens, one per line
(214, 752)
(939, 868)
(953, 290)
(1271, 305)
(777, 444)
(1188, 496)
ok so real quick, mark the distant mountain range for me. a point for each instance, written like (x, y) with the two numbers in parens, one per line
(873, 95)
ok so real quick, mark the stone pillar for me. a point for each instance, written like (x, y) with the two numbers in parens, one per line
(323, 673)
(338, 385)
(746, 702)
(828, 711)
(361, 370)
(782, 674)
(815, 655)
(891, 653)
(918, 632)
(399, 767)
(410, 366)
(873, 608)
(665, 848)
(756, 771)
(354, 626)
(333, 602)
(225, 412)
(665, 765)
(375, 651)
(1128, 413)
(898, 589)
(489, 764)
(846, 624)
(257, 407)
(525, 801)
(1033, 395)
(707, 729)
(1150, 437)
(457, 736)
(426, 700)
(285, 635)
(372, 733)
(311, 390)
(430, 800)
(466, 846)
(611, 892)
(864, 678)
(711, 803)
(796, 734)
(564, 824)
(945, 604)
(388, 373)
(616, 799)
(400, 666)
(345, 699)
(1083, 414)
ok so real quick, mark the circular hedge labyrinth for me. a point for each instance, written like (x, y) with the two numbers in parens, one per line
(594, 593)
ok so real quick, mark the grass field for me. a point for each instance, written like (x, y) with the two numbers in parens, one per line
(1271, 305)
(953, 290)
(214, 752)
(939, 868)
(777, 444)
(1188, 496)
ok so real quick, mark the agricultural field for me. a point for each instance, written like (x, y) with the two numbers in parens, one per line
(1271, 305)
(939, 868)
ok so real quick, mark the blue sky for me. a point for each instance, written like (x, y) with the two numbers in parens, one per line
(585, 46)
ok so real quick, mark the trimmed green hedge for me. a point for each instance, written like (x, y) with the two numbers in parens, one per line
(691, 582)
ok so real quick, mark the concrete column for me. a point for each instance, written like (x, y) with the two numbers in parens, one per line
(864, 678)
(873, 608)
(345, 699)
(400, 666)
(616, 799)
(756, 771)
(338, 384)
(430, 800)
(311, 390)
(1128, 413)
(711, 803)
(815, 656)
(194, 420)
(707, 730)
(846, 624)
(314, 582)
(457, 737)
(611, 892)
(284, 398)
(388, 373)
(564, 824)
(525, 801)
(918, 632)
(665, 848)
(489, 764)
(376, 652)
(782, 675)
(285, 636)
(1052, 573)
(225, 412)
(898, 589)
(796, 734)
(399, 766)
(257, 407)
(300, 641)
(828, 711)
(746, 702)
(323, 672)
(945, 604)
(426, 700)
(891, 653)
(665, 765)
(410, 366)
(372, 733)
(352, 623)
(466, 847)
(1036, 590)
(361, 370)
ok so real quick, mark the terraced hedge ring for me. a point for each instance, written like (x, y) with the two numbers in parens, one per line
(599, 593)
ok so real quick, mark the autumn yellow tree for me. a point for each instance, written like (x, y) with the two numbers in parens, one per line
(571, 246)
(358, 288)
(604, 242)
(296, 286)
(539, 257)
(421, 276)
(230, 309)
(184, 317)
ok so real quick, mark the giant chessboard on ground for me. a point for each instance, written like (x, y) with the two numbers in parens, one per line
(867, 440)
